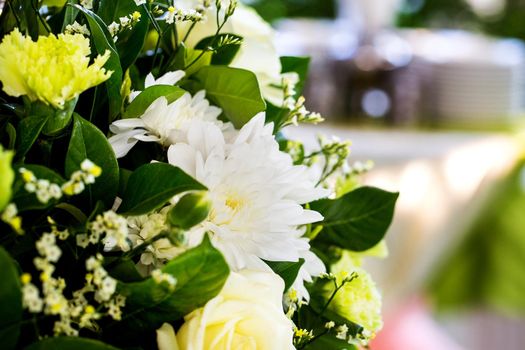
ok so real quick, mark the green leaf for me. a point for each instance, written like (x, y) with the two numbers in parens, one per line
(222, 54)
(152, 185)
(200, 273)
(69, 343)
(10, 302)
(124, 270)
(358, 220)
(88, 142)
(329, 341)
(298, 65)
(70, 14)
(28, 201)
(103, 41)
(235, 90)
(11, 132)
(148, 96)
(29, 129)
(288, 270)
(112, 10)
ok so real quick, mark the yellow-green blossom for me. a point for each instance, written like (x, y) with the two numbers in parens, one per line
(6, 177)
(53, 69)
(358, 300)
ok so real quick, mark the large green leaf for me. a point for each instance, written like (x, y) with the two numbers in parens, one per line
(148, 96)
(358, 220)
(287, 270)
(88, 142)
(28, 131)
(69, 343)
(10, 302)
(28, 201)
(235, 90)
(200, 273)
(103, 41)
(152, 185)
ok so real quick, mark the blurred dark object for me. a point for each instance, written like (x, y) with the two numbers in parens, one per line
(502, 18)
(271, 10)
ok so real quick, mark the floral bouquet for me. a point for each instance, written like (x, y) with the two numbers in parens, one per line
(149, 197)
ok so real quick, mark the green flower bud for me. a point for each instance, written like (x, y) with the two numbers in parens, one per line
(7, 176)
(191, 210)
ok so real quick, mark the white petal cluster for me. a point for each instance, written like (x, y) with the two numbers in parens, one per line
(145, 227)
(170, 78)
(256, 193)
(163, 122)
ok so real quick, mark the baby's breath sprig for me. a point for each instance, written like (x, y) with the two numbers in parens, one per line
(77, 28)
(334, 154)
(45, 190)
(297, 112)
(339, 281)
(81, 311)
(302, 337)
(108, 228)
(10, 217)
(124, 23)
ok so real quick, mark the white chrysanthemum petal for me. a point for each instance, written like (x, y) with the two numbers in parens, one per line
(124, 142)
(255, 214)
(183, 156)
(168, 123)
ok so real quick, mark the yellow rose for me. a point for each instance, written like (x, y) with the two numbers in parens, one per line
(247, 314)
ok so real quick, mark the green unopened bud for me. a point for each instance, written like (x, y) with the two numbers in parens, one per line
(176, 237)
(7, 176)
(191, 210)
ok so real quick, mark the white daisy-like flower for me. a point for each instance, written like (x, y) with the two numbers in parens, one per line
(256, 192)
(170, 78)
(163, 122)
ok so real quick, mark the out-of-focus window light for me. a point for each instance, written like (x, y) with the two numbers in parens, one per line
(487, 8)
(376, 103)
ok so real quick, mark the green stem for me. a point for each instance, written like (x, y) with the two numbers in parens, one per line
(188, 32)
(313, 339)
(336, 290)
(14, 13)
(44, 23)
(140, 248)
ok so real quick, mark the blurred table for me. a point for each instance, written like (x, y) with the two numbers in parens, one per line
(444, 179)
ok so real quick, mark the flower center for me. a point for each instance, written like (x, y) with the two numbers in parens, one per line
(234, 203)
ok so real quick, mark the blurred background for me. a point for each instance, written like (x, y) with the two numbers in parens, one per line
(433, 91)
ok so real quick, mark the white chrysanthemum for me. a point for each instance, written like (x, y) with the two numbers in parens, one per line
(163, 122)
(256, 193)
(170, 78)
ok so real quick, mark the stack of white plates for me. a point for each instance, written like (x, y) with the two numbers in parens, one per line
(469, 78)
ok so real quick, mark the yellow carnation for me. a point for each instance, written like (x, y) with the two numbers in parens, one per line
(53, 69)
(359, 300)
